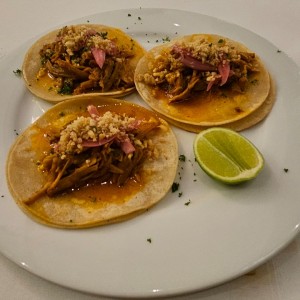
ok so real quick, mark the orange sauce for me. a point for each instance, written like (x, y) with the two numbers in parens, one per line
(101, 194)
(92, 195)
(39, 142)
(47, 83)
(205, 106)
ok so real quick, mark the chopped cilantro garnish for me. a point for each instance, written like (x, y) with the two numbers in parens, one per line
(104, 35)
(187, 203)
(17, 72)
(182, 157)
(166, 39)
(66, 89)
(175, 187)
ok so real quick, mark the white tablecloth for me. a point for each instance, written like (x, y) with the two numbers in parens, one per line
(276, 20)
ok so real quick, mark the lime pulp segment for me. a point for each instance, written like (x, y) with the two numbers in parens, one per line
(227, 155)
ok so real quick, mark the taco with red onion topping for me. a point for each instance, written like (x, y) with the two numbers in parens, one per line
(204, 80)
(88, 162)
(82, 59)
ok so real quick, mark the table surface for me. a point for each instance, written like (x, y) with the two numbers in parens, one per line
(276, 20)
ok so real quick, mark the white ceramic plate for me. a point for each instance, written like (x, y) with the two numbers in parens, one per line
(223, 233)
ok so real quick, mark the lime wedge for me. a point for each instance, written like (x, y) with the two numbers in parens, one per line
(227, 155)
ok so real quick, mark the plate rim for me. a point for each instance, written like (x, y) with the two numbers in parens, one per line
(161, 292)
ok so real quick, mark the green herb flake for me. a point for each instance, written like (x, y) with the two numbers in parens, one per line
(17, 72)
(179, 194)
(129, 15)
(104, 34)
(187, 203)
(175, 187)
(220, 41)
(285, 170)
(166, 39)
(66, 89)
(149, 240)
(278, 51)
(139, 18)
(182, 157)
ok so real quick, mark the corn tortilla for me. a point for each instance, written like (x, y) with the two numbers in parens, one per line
(73, 210)
(44, 90)
(221, 106)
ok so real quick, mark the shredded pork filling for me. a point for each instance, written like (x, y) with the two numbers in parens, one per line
(197, 66)
(82, 60)
(96, 149)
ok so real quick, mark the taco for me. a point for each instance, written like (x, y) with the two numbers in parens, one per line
(88, 162)
(82, 59)
(203, 80)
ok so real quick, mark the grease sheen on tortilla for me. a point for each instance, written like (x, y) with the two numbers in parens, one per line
(218, 107)
(96, 205)
(43, 88)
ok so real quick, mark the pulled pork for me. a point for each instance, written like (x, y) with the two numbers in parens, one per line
(82, 60)
(196, 66)
(95, 149)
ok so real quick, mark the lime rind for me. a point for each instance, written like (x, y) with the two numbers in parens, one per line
(227, 156)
